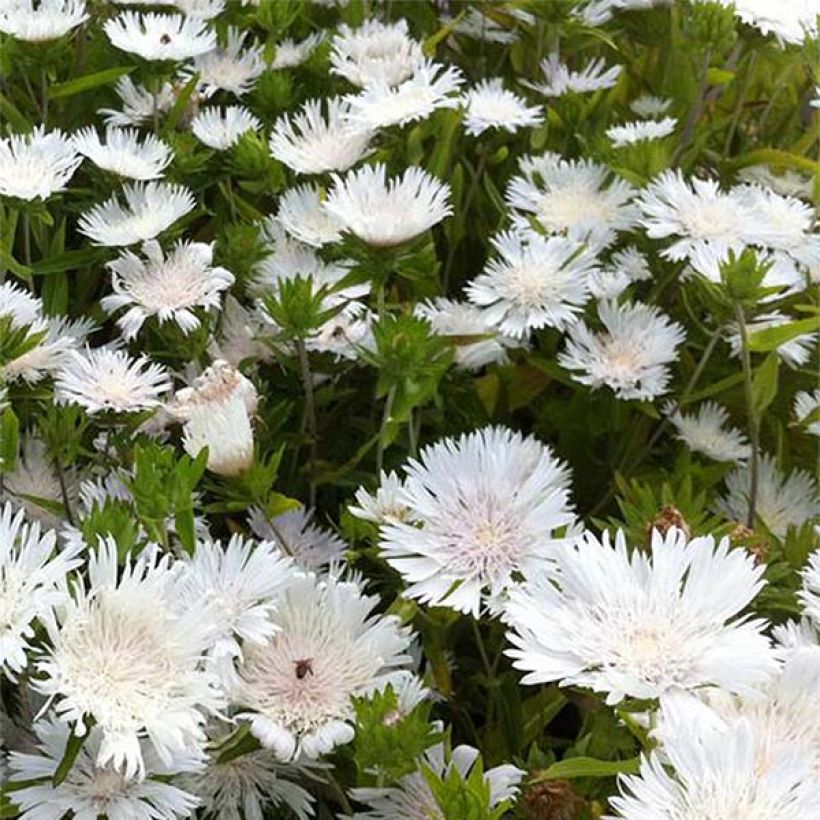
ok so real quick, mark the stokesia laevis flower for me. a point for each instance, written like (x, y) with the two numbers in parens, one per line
(375, 52)
(37, 164)
(460, 320)
(32, 584)
(385, 504)
(533, 282)
(559, 79)
(311, 546)
(238, 338)
(634, 625)
(707, 432)
(490, 105)
(794, 22)
(216, 413)
(781, 501)
(239, 585)
(480, 509)
(805, 406)
(577, 197)
(90, 790)
(413, 799)
(160, 36)
(231, 67)
(123, 154)
(310, 142)
(303, 215)
(201, 9)
(169, 287)
(288, 53)
(220, 128)
(631, 132)
(37, 22)
(150, 208)
(329, 649)
(380, 105)
(125, 654)
(649, 106)
(104, 379)
(138, 103)
(715, 774)
(384, 212)
(630, 355)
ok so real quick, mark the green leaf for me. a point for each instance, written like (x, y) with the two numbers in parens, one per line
(14, 117)
(770, 338)
(764, 384)
(70, 260)
(180, 105)
(72, 749)
(773, 156)
(587, 767)
(9, 437)
(88, 81)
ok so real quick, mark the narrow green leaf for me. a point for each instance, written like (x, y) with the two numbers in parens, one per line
(89, 81)
(587, 767)
(764, 383)
(72, 749)
(14, 117)
(180, 105)
(770, 338)
(70, 260)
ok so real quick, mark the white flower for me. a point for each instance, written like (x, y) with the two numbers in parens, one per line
(127, 656)
(386, 213)
(707, 432)
(311, 546)
(238, 337)
(648, 106)
(90, 790)
(631, 354)
(239, 585)
(559, 79)
(304, 217)
(103, 378)
(150, 208)
(138, 103)
(381, 105)
(329, 649)
(805, 404)
(37, 164)
(385, 505)
(481, 508)
(716, 776)
(462, 319)
(792, 22)
(122, 152)
(490, 105)
(634, 626)
(201, 9)
(471, 22)
(533, 282)
(34, 485)
(32, 584)
(220, 128)
(166, 287)
(160, 36)
(794, 353)
(229, 67)
(624, 267)
(782, 500)
(243, 787)
(346, 332)
(289, 53)
(809, 593)
(576, 197)
(43, 21)
(375, 52)
(309, 142)
(413, 799)
(631, 132)
(786, 183)
(217, 412)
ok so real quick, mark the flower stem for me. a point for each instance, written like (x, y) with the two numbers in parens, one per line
(751, 415)
(388, 410)
(310, 411)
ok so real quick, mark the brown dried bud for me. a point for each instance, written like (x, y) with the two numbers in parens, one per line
(553, 800)
(667, 518)
(756, 545)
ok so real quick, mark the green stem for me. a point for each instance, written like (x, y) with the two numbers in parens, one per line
(388, 409)
(26, 238)
(751, 415)
(310, 412)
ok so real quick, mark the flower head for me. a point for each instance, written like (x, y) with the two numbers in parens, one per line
(533, 282)
(386, 213)
(641, 131)
(126, 655)
(138, 103)
(480, 509)
(385, 504)
(560, 79)
(160, 36)
(490, 105)
(794, 22)
(648, 106)
(310, 142)
(220, 128)
(32, 584)
(299, 687)
(805, 406)
(123, 154)
(640, 626)
(303, 215)
(168, 287)
(289, 53)
(631, 354)
(43, 21)
(706, 432)
(36, 165)
(810, 591)
(105, 379)
(231, 67)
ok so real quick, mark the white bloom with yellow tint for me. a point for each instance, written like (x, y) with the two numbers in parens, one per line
(489, 105)
(231, 67)
(36, 165)
(123, 154)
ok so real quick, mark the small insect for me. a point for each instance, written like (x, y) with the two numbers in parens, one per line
(304, 667)
(165, 39)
